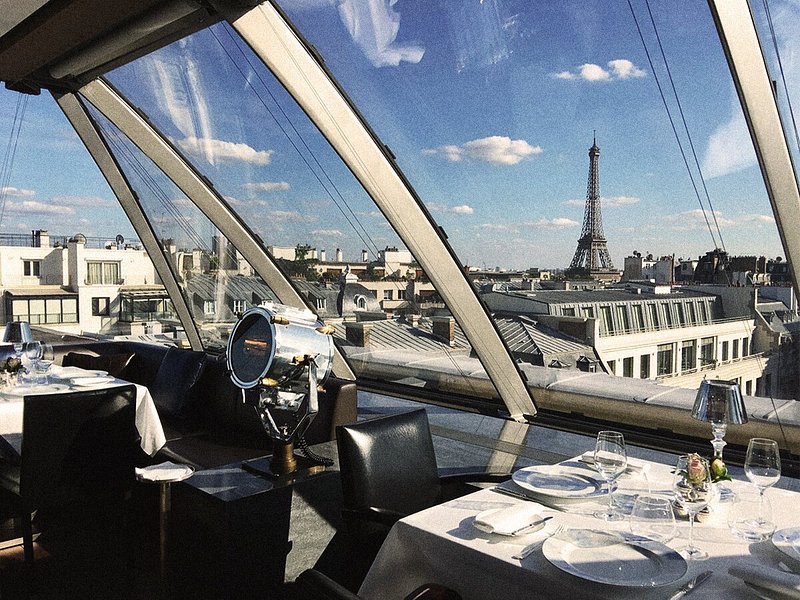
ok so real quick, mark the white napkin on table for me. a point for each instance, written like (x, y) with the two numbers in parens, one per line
(787, 584)
(634, 466)
(509, 520)
(166, 471)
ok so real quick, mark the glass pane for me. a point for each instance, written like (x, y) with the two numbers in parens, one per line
(237, 125)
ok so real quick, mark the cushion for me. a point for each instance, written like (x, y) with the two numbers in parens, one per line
(173, 389)
(113, 364)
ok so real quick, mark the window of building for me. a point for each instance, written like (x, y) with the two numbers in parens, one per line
(644, 366)
(748, 387)
(638, 317)
(41, 311)
(612, 367)
(688, 355)
(320, 303)
(667, 313)
(664, 359)
(706, 351)
(681, 314)
(569, 312)
(102, 273)
(239, 306)
(627, 366)
(692, 313)
(735, 349)
(360, 301)
(606, 324)
(655, 322)
(401, 294)
(724, 351)
(31, 268)
(745, 347)
(704, 313)
(101, 307)
(209, 307)
(588, 311)
(622, 317)
(387, 294)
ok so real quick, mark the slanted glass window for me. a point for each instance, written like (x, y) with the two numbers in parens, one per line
(664, 360)
(667, 307)
(568, 312)
(638, 317)
(622, 317)
(704, 319)
(692, 312)
(688, 355)
(606, 323)
(681, 315)
(654, 320)
(588, 312)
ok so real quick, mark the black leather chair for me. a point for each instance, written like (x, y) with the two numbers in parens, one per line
(388, 471)
(315, 585)
(114, 364)
(77, 449)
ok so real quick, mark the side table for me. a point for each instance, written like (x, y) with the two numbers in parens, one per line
(164, 474)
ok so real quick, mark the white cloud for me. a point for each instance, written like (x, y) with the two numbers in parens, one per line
(12, 191)
(691, 220)
(556, 223)
(220, 150)
(729, 149)
(81, 201)
(462, 209)
(327, 233)
(39, 208)
(495, 149)
(266, 186)
(291, 215)
(497, 227)
(374, 25)
(622, 68)
(619, 68)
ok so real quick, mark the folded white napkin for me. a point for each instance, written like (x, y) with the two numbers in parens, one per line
(634, 467)
(509, 520)
(774, 580)
(166, 471)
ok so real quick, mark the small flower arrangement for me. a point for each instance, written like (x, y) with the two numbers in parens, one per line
(719, 471)
(11, 365)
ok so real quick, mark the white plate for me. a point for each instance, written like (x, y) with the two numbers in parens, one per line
(558, 481)
(765, 594)
(614, 558)
(90, 381)
(788, 541)
(27, 390)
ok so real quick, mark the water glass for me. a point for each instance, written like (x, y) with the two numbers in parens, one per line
(610, 460)
(693, 490)
(762, 465)
(652, 517)
(750, 515)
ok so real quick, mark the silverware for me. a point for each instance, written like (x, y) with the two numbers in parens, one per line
(523, 496)
(691, 585)
(532, 524)
(526, 551)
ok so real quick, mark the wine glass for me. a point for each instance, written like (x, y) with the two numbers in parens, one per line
(610, 460)
(763, 468)
(693, 490)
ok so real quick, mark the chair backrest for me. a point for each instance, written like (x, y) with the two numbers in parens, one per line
(174, 386)
(114, 364)
(389, 462)
(80, 444)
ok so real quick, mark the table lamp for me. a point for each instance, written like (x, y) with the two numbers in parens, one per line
(719, 402)
(18, 332)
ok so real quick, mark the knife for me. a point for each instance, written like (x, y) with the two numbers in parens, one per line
(691, 585)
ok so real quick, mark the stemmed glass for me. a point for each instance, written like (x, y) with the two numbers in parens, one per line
(693, 490)
(763, 468)
(610, 460)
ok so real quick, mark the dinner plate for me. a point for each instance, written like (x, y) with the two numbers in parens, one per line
(614, 558)
(25, 390)
(90, 381)
(788, 542)
(559, 481)
(766, 594)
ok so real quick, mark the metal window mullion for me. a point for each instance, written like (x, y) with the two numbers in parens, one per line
(737, 31)
(80, 120)
(290, 60)
(153, 144)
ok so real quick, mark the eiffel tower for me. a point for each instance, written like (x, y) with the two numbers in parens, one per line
(592, 253)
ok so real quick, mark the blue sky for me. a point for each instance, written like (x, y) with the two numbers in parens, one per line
(489, 107)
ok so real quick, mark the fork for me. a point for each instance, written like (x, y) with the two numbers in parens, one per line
(527, 550)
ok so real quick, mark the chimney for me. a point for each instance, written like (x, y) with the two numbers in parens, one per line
(364, 256)
(41, 238)
(357, 333)
(323, 256)
(338, 255)
(413, 320)
(444, 329)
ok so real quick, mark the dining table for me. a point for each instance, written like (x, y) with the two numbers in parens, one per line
(571, 553)
(71, 380)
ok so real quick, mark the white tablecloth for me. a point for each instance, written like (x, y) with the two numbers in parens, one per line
(441, 545)
(147, 421)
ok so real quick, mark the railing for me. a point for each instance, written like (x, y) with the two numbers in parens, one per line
(27, 240)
